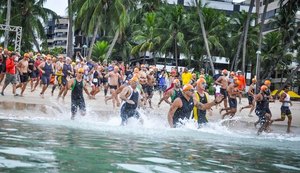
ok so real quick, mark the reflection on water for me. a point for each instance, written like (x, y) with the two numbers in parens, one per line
(53, 147)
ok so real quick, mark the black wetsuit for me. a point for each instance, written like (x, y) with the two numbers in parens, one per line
(202, 113)
(261, 109)
(176, 93)
(77, 99)
(184, 112)
(129, 110)
(65, 70)
(46, 76)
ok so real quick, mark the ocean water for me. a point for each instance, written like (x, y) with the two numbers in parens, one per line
(35, 144)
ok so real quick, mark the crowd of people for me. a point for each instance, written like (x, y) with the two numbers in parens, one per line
(132, 87)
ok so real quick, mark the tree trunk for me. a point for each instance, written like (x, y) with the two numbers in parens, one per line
(93, 41)
(288, 79)
(175, 52)
(205, 37)
(234, 63)
(112, 45)
(257, 6)
(35, 42)
(246, 35)
(7, 23)
(70, 31)
(259, 46)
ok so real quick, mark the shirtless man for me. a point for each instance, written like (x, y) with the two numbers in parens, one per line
(251, 95)
(113, 83)
(22, 67)
(150, 87)
(143, 81)
(223, 82)
(233, 92)
(172, 92)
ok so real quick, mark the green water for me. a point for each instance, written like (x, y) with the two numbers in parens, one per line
(35, 147)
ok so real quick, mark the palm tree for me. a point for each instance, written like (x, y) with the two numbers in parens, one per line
(100, 48)
(8, 13)
(246, 35)
(198, 5)
(146, 38)
(70, 30)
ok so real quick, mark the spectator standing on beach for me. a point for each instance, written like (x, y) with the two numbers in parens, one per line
(10, 77)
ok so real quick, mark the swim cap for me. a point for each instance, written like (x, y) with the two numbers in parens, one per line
(116, 68)
(263, 88)
(254, 80)
(238, 82)
(267, 82)
(80, 70)
(224, 71)
(134, 79)
(176, 81)
(187, 87)
(26, 55)
(200, 81)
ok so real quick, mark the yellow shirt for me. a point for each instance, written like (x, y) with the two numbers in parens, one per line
(186, 78)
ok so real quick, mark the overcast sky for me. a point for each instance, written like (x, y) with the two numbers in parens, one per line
(58, 6)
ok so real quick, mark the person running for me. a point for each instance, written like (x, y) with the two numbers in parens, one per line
(36, 70)
(10, 73)
(269, 97)
(182, 106)
(22, 67)
(186, 76)
(131, 98)
(173, 91)
(58, 66)
(77, 86)
(67, 71)
(162, 84)
(223, 81)
(233, 92)
(96, 81)
(46, 69)
(150, 87)
(201, 96)
(261, 110)
(285, 99)
(250, 94)
(113, 82)
(31, 69)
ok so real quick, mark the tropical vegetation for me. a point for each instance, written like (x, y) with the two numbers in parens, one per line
(139, 29)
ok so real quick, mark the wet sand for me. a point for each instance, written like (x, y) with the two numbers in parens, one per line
(32, 100)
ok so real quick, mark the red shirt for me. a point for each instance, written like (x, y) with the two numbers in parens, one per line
(10, 66)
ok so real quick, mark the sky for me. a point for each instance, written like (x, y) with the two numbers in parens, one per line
(58, 6)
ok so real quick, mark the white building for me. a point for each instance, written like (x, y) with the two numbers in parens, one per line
(57, 33)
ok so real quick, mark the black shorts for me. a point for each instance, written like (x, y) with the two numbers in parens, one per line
(64, 81)
(224, 93)
(75, 103)
(104, 80)
(127, 113)
(232, 103)
(3, 70)
(149, 90)
(285, 111)
(32, 75)
(261, 115)
(113, 87)
(250, 100)
(24, 77)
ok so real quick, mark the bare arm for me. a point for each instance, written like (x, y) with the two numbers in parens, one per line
(42, 65)
(124, 94)
(175, 105)
(86, 90)
(70, 83)
(218, 81)
(166, 97)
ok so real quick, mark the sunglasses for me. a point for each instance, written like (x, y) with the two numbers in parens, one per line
(80, 72)
(191, 90)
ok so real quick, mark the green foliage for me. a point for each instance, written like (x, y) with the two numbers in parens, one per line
(55, 51)
(100, 49)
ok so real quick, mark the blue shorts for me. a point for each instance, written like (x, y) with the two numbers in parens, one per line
(45, 80)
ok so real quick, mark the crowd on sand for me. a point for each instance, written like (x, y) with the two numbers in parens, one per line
(131, 87)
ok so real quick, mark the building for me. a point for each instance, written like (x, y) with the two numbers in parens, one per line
(57, 33)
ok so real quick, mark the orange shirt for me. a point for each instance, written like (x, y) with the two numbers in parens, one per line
(241, 78)
(10, 66)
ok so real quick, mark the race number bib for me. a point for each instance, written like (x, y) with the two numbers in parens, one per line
(95, 80)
